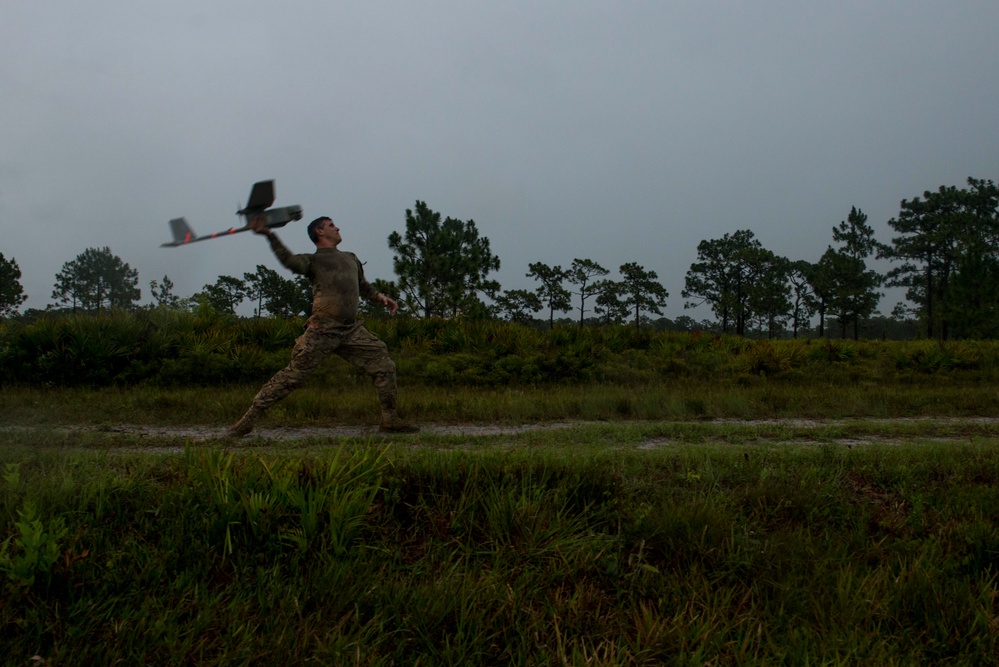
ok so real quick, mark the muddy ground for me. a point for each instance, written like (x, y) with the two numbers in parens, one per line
(980, 426)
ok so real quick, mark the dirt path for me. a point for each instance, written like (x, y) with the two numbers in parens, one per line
(981, 426)
(204, 433)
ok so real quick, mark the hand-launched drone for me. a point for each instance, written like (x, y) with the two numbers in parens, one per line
(261, 197)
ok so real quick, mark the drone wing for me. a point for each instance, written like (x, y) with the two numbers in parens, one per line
(261, 198)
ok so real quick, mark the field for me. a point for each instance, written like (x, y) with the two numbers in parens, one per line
(599, 496)
(676, 523)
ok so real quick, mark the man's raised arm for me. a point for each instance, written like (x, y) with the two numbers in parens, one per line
(297, 263)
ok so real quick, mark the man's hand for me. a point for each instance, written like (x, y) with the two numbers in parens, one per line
(258, 224)
(389, 303)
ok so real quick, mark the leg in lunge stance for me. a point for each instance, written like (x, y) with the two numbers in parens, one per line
(366, 351)
(310, 350)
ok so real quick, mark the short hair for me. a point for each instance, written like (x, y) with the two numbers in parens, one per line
(314, 225)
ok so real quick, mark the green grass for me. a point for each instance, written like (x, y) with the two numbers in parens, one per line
(726, 543)
(353, 403)
(713, 500)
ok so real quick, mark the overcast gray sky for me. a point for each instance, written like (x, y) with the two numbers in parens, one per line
(614, 131)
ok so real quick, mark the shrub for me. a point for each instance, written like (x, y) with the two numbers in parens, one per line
(208, 348)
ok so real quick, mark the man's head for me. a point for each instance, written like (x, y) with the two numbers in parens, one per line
(324, 233)
(316, 224)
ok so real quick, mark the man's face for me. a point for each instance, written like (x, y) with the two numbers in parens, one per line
(331, 231)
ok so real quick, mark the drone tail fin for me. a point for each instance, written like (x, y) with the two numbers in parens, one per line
(182, 232)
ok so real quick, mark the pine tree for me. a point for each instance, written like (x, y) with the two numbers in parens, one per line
(442, 266)
(642, 291)
(11, 292)
(96, 280)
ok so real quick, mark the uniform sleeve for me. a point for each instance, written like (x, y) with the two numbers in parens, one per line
(297, 263)
(366, 289)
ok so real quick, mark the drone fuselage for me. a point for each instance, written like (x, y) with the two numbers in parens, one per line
(261, 197)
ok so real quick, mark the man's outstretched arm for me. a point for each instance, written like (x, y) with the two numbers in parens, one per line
(297, 263)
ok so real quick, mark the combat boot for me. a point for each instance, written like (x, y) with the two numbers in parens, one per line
(391, 423)
(243, 426)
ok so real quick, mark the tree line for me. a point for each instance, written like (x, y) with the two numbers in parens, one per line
(945, 249)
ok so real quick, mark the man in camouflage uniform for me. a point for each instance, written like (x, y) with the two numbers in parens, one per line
(337, 283)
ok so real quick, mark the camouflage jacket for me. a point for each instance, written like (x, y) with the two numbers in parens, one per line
(337, 280)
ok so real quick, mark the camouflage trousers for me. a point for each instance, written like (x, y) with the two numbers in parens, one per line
(351, 342)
